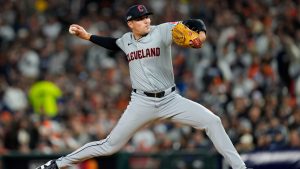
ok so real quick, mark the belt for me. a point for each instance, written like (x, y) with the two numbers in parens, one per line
(158, 94)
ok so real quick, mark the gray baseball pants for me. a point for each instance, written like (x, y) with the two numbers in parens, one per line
(143, 109)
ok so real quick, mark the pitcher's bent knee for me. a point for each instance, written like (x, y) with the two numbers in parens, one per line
(112, 148)
(213, 125)
(215, 120)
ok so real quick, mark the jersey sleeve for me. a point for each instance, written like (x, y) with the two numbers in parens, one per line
(166, 32)
(122, 41)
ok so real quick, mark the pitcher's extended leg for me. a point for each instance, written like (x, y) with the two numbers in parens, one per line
(188, 112)
(135, 116)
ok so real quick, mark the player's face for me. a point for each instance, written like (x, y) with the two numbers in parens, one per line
(140, 26)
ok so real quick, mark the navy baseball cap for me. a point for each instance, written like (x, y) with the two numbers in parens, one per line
(137, 11)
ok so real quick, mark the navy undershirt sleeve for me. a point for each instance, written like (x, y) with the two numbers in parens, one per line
(106, 42)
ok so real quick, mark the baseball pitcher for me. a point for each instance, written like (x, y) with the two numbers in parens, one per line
(154, 96)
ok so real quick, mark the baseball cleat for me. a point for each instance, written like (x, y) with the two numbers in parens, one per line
(49, 165)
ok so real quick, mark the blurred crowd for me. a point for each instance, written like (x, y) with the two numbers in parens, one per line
(58, 92)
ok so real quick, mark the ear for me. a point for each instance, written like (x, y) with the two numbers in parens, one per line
(130, 24)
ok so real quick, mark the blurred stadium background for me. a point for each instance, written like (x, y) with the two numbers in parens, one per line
(58, 92)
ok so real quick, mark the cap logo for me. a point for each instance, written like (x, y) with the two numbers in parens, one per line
(140, 8)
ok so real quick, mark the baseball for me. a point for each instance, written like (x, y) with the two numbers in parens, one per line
(72, 30)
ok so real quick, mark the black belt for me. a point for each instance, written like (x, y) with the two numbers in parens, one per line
(157, 95)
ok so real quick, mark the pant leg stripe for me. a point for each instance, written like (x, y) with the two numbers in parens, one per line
(74, 153)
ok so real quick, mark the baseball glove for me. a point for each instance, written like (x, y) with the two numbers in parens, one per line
(185, 37)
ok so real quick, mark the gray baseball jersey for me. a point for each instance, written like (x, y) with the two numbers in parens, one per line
(150, 61)
(150, 65)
